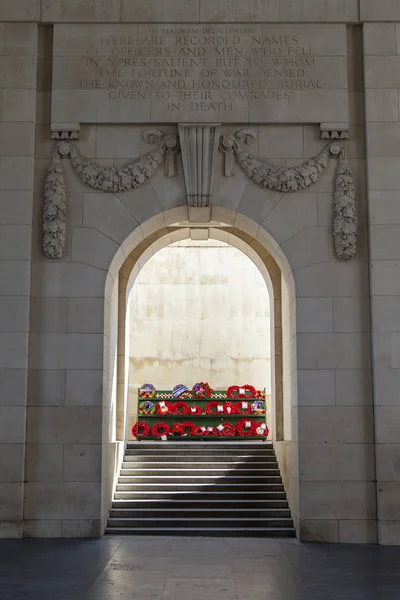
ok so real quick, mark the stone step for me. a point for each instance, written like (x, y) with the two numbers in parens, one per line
(194, 443)
(228, 471)
(198, 458)
(200, 487)
(212, 493)
(206, 522)
(204, 504)
(273, 532)
(200, 480)
(184, 512)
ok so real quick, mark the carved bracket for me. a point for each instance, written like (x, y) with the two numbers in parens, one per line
(65, 131)
(199, 146)
(171, 145)
(334, 131)
(229, 145)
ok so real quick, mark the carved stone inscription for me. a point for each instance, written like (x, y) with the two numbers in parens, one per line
(174, 73)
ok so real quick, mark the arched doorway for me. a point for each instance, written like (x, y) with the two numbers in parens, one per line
(242, 233)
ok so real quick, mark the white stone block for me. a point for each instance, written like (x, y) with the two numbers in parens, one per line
(387, 382)
(42, 529)
(14, 313)
(353, 387)
(186, 11)
(20, 39)
(44, 462)
(291, 215)
(91, 247)
(389, 507)
(381, 105)
(18, 105)
(118, 142)
(357, 532)
(46, 387)
(65, 279)
(387, 420)
(389, 533)
(64, 425)
(382, 72)
(386, 10)
(18, 72)
(108, 214)
(314, 315)
(62, 500)
(83, 528)
(388, 462)
(385, 241)
(308, 246)
(49, 315)
(384, 207)
(349, 500)
(20, 10)
(316, 388)
(82, 462)
(351, 315)
(11, 463)
(71, 11)
(84, 388)
(66, 351)
(12, 424)
(379, 38)
(85, 315)
(15, 208)
(319, 530)
(13, 387)
(11, 501)
(13, 350)
(383, 139)
(280, 141)
(16, 172)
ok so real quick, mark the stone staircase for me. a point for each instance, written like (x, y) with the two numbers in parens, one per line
(200, 488)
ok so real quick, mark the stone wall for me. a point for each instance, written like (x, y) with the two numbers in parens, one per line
(58, 406)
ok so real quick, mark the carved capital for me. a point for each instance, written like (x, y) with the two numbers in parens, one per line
(199, 147)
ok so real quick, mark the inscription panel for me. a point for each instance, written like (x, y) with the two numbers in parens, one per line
(199, 73)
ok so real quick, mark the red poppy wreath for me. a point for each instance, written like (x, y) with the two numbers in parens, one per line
(181, 428)
(141, 425)
(164, 408)
(243, 430)
(241, 391)
(228, 429)
(180, 408)
(212, 408)
(160, 429)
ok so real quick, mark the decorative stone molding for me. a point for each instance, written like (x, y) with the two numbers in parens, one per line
(106, 179)
(199, 146)
(334, 131)
(294, 179)
(229, 144)
(172, 147)
(65, 131)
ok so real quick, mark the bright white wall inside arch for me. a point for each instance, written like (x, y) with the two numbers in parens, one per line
(199, 311)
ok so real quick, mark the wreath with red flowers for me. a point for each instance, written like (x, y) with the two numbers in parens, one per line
(211, 408)
(211, 431)
(180, 408)
(233, 408)
(228, 429)
(195, 410)
(241, 391)
(160, 429)
(260, 394)
(202, 390)
(259, 430)
(141, 425)
(242, 411)
(168, 406)
(180, 428)
(244, 431)
(200, 430)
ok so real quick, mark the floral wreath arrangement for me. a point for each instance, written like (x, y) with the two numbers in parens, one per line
(241, 391)
(180, 391)
(214, 408)
(180, 408)
(243, 408)
(140, 425)
(160, 429)
(213, 431)
(245, 428)
(226, 429)
(257, 408)
(261, 429)
(260, 394)
(146, 408)
(147, 390)
(200, 430)
(164, 408)
(195, 410)
(180, 428)
(230, 408)
(202, 390)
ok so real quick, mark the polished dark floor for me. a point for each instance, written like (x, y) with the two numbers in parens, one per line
(159, 568)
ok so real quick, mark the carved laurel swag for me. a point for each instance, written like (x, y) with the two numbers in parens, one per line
(106, 179)
(294, 179)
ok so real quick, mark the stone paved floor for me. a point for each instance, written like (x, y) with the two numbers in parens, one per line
(145, 568)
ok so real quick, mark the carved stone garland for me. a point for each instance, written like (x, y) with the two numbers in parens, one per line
(106, 179)
(294, 179)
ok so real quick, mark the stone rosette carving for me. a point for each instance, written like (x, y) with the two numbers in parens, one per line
(294, 179)
(105, 179)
